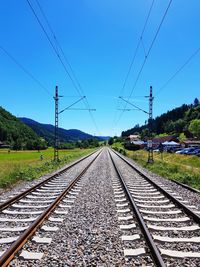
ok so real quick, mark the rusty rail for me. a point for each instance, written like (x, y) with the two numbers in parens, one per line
(18, 244)
(26, 192)
(187, 210)
(149, 240)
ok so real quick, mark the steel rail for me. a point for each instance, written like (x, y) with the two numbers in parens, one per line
(186, 186)
(149, 240)
(187, 210)
(26, 192)
(9, 254)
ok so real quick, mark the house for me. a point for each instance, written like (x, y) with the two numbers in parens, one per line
(2, 145)
(133, 137)
(191, 143)
(160, 140)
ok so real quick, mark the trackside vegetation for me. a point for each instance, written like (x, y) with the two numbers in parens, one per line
(182, 123)
(182, 168)
(17, 166)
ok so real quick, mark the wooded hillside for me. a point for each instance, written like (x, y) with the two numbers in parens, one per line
(16, 134)
(175, 121)
(47, 131)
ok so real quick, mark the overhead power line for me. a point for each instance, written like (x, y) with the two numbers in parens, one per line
(147, 54)
(138, 108)
(66, 60)
(194, 54)
(53, 46)
(59, 46)
(137, 48)
(140, 41)
(72, 104)
(150, 47)
(73, 78)
(25, 70)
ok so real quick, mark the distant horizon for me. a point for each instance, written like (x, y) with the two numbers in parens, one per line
(105, 135)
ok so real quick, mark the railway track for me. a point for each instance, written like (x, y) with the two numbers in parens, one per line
(169, 225)
(22, 215)
(187, 187)
(100, 211)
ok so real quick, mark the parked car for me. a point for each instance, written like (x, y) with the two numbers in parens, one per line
(191, 149)
(185, 150)
(196, 151)
(172, 149)
(176, 149)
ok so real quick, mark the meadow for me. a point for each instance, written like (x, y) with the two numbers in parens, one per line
(16, 166)
(183, 168)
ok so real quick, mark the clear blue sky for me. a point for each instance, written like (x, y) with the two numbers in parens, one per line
(99, 38)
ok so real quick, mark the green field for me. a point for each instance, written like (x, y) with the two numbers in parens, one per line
(183, 168)
(27, 165)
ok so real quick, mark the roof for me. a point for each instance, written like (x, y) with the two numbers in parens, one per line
(188, 142)
(133, 136)
(163, 139)
(139, 142)
(171, 143)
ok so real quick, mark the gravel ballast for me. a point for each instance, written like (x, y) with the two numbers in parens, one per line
(91, 234)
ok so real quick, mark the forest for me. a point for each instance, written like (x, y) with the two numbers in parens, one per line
(175, 121)
(16, 135)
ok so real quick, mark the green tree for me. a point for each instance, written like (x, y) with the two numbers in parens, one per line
(144, 134)
(196, 102)
(110, 141)
(194, 128)
(169, 127)
(182, 137)
(179, 125)
(85, 144)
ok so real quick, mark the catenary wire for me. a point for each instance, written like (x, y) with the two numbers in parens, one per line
(194, 54)
(25, 70)
(133, 61)
(63, 53)
(151, 46)
(78, 88)
(137, 48)
(148, 53)
(53, 46)
(135, 53)
(59, 45)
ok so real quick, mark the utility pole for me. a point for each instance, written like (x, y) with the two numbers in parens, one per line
(57, 113)
(150, 121)
(149, 142)
(56, 98)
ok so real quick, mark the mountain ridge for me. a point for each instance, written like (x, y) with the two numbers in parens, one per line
(46, 131)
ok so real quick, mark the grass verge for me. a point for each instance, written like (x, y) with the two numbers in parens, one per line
(182, 168)
(26, 165)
